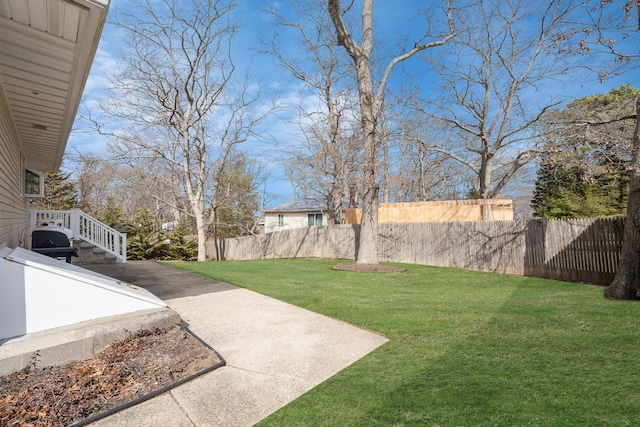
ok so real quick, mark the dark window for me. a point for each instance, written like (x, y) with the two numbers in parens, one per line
(315, 220)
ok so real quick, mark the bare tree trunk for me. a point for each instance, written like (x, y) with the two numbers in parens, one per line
(626, 284)
(484, 176)
(334, 203)
(197, 206)
(202, 237)
(216, 242)
(371, 102)
(368, 245)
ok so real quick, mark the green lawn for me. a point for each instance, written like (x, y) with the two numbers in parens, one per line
(465, 348)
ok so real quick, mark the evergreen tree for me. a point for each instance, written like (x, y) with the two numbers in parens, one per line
(112, 213)
(585, 173)
(574, 191)
(144, 240)
(59, 193)
(179, 247)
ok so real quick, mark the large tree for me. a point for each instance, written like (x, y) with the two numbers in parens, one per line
(178, 96)
(626, 284)
(489, 81)
(324, 159)
(584, 169)
(238, 201)
(612, 28)
(372, 78)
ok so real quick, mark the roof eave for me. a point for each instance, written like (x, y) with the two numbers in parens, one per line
(86, 51)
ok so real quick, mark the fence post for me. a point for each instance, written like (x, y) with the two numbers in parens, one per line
(75, 223)
(124, 247)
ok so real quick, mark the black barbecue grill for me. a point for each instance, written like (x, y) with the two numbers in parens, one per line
(52, 243)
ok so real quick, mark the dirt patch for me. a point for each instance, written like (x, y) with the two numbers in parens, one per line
(141, 364)
(369, 268)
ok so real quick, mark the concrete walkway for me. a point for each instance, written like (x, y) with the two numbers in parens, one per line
(274, 351)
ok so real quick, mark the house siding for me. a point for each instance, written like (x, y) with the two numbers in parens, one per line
(291, 220)
(13, 206)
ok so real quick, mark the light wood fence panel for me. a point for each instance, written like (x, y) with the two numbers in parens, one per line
(573, 250)
(483, 245)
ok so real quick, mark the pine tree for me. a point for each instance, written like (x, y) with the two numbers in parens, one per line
(179, 247)
(567, 191)
(144, 240)
(59, 193)
(112, 213)
(585, 174)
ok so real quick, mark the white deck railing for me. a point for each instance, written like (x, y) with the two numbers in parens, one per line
(87, 228)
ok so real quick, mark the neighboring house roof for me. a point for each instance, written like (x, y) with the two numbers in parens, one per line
(312, 203)
(46, 50)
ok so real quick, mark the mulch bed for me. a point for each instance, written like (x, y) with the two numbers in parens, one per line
(128, 370)
(369, 268)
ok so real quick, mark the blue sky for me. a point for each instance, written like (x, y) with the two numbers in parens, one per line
(394, 21)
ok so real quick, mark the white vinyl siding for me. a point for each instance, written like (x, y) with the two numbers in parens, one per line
(13, 206)
(287, 220)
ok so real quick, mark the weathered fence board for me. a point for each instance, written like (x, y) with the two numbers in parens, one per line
(573, 250)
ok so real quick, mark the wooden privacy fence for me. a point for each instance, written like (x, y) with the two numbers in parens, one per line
(579, 250)
(573, 250)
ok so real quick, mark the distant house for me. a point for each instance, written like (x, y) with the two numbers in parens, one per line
(307, 212)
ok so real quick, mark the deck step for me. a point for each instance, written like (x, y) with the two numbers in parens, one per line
(90, 254)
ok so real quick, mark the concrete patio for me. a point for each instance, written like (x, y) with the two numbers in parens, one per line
(274, 351)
